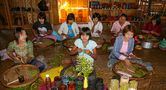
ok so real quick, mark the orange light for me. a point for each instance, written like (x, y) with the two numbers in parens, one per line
(67, 6)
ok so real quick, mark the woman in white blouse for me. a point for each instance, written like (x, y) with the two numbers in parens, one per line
(95, 25)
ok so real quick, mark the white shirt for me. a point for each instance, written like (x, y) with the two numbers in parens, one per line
(98, 27)
(64, 28)
(90, 46)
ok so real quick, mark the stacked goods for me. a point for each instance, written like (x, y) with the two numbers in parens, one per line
(124, 86)
(133, 85)
(114, 84)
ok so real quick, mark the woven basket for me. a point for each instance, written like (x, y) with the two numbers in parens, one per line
(30, 73)
(69, 43)
(143, 84)
(133, 78)
(43, 43)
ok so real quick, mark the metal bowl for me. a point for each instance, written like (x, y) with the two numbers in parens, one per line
(147, 44)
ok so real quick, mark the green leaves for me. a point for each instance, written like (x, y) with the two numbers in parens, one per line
(84, 66)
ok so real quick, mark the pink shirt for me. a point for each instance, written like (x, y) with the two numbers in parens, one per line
(123, 50)
(116, 27)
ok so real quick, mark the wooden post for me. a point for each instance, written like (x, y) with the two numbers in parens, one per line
(54, 17)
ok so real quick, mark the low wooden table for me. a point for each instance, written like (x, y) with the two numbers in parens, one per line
(10, 76)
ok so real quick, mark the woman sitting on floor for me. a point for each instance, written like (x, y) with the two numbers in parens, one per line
(21, 50)
(69, 29)
(153, 27)
(84, 45)
(95, 25)
(119, 25)
(42, 28)
(123, 48)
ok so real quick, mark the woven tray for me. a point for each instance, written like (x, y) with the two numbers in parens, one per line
(43, 43)
(69, 43)
(30, 73)
(133, 78)
(143, 83)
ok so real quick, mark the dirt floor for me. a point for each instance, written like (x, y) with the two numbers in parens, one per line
(155, 56)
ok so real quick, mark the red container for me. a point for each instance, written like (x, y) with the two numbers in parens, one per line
(71, 86)
(62, 87)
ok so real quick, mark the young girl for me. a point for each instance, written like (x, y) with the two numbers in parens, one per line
(21, 50)
(84, 45)
(43, 29)
(69, 29)
(95, 25)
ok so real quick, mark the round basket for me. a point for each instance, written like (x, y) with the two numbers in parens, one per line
(29, 72)
(100, 41)
(143, 82)
(68, 43)
(43, 43)
(132, 78)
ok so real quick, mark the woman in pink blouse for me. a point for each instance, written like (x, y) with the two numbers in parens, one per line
(119, 25)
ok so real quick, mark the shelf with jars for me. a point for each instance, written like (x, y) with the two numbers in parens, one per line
(110, 10)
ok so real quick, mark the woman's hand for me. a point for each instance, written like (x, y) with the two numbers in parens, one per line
(134, 56)
(154, 33)
(128, 65)
(64, 34)
(127, 62)
(79, 50)
(19, 59)
(99, 32)
(88, 52)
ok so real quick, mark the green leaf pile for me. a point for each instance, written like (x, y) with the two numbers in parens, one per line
(84, 66)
